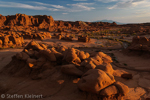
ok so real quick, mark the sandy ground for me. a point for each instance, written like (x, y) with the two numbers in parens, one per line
(139, 67)
(93, 43)
(134, 62)
(60, 87)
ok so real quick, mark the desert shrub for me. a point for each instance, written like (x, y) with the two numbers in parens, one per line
(72, 35)
(134, 33)
(102, 45)
(121, 43)
(116, 39)
(111, 39)
(125, 64)
(1, 48)
(12, 46)
(98, 37)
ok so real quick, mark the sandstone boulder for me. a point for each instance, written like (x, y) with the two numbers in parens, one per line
(71, 69)
(127, 76)
(47, 65)
(87, 55)
(22, 56)
(106, 67)
(70, 56)
(33, 45)
(139, 44)
(109, 91)
(105, 57)
(32, 63)
(56, 53)
(123, 89)
(99, 59)
(82, 55)
(1, 43)
(42, 45)
(90, 65)
(143, 41)
(41, 61)
(48, 54)
(5, 40)
(62, 49)
(29, 52)
(95, 80)
(83, 39)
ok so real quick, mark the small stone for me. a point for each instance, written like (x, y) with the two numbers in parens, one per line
(127, 76)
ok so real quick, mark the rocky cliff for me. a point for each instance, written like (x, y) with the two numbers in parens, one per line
(25, 20)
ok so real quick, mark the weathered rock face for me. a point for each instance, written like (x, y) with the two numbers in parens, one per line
(47, 23)
(71, 69)
(70, 56)
(95, 80)
(83, 39)
(18, 19)
(140, 44)
(34, 46)
(110, 90)
(25, 20)
(11, 41)
(2, 20)
(116, 90)
(31, 60)
(127, 76)
(122, 88)
(99, 61)
(135, 29)
(36, 35)
(62, 37)
(106, 67)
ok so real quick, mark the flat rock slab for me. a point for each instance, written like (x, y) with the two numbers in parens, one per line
(135, 93)
(147, 96)
(147, 68)
(144, 83)
(136, 77)
(131, 83)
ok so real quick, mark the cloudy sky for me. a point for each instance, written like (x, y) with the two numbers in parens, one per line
(125, 11)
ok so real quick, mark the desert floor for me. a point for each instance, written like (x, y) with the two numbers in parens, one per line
(62, 87)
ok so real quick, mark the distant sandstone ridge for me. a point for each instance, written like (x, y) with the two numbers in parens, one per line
(25, 20)
(45, 22)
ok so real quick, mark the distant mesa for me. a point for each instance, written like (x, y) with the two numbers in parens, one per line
(109, 21)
